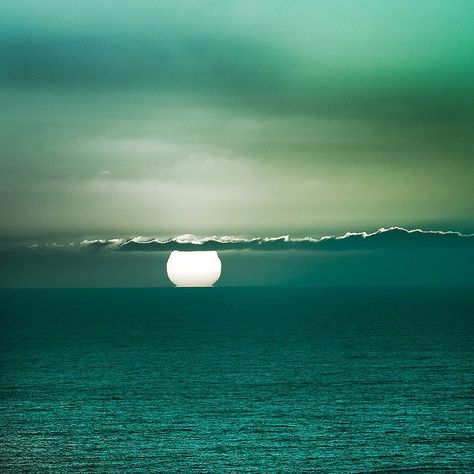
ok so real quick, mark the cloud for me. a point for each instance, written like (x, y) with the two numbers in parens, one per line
(393, 237)
(393, 256)
(304, 64)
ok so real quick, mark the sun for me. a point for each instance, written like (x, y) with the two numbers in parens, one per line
(194, 268)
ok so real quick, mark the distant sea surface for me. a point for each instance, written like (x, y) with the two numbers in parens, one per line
(237, 380)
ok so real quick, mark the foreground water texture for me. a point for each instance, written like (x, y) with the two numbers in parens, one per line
(214, 380)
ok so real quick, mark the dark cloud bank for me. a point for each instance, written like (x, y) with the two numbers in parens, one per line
(392, 256)
(394, 237)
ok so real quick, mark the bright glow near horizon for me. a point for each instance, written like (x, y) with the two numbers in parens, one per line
(188, 269)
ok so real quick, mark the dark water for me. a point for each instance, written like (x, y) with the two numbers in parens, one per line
(219, 380)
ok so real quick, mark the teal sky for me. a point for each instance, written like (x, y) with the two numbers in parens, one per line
(304, 117)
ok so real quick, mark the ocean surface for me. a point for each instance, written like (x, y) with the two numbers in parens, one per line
(237, 380)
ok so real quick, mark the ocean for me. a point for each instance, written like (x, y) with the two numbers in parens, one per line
(237, 380)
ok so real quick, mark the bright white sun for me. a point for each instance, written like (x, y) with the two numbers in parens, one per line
(202, 268)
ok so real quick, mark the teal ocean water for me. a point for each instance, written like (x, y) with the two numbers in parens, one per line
(237, 380)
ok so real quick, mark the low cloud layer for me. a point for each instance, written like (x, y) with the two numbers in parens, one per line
(393, 256)
(393, 237)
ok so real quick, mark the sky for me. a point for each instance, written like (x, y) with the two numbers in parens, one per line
(244, 118)
(247, 118)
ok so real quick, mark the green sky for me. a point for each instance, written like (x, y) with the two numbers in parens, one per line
(247, 117)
